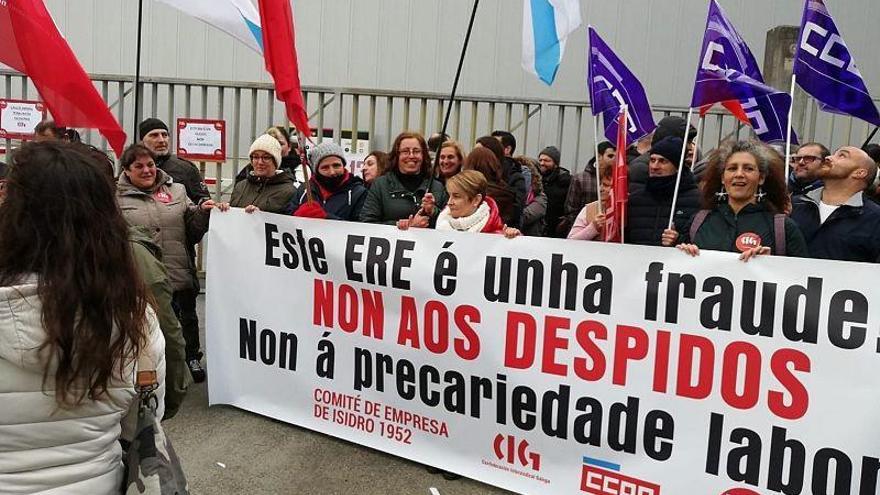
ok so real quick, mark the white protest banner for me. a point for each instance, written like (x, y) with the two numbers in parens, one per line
(550, 366)
(201, 140)
(18, 118)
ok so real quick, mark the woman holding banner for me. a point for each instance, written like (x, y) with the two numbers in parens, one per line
(469, 209)
(396, 197)
(267, 188)
(744, 200)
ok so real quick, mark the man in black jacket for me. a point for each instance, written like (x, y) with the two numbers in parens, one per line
(154, 135)
(837, 221)
(650, 202)
(556, 183)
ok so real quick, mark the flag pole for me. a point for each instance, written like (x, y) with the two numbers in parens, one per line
(596, 163)
(467, 39)
(788, 129)
(625, 128)
(137, 72)
(684, 149)
(871, 136)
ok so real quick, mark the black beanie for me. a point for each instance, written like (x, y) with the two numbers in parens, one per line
(148, 125)
(673, 125)
(669, 148)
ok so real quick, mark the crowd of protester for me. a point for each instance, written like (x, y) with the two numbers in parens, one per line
(89, 296)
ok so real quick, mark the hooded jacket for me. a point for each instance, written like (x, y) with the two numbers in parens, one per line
(290, 164)
(344, 203)
(47, 448)
(649, 205)
(721, 228)
(268, 194)
(850, 233)
(173, 225)
(556, 184)
(389, 201)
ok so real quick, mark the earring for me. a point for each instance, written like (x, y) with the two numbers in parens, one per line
(760, 194)
(721, 196)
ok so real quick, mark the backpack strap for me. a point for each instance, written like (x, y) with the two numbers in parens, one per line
(697, 222)
(779, 233)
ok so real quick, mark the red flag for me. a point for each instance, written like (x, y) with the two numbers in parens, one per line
(733, 107)
(615, 215)
(30, 43)
(279, 51)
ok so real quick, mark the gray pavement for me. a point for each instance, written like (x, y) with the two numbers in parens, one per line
(225, 450)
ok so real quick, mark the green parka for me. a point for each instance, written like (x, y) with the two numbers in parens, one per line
(268, 194)
(721, 228)
(389, 201)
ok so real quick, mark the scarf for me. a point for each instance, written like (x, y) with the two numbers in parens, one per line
(471, 223)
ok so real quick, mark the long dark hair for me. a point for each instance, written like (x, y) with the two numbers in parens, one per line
(484, 161)
(770, 163)
(60, 221)
(394, 154)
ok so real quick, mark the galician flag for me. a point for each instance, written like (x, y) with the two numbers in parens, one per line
(546, 26)
(238, 18)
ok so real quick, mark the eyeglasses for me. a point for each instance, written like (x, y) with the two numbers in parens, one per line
(411, 152)
(261, 158)
(807, 159)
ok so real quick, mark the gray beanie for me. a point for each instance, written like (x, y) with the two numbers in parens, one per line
(553, 152)
(269, 145)
(324, 150)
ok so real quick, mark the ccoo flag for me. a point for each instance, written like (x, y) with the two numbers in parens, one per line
(238, 18)
(612, 85)
(546, 26)
(729, 74)
(825, 68)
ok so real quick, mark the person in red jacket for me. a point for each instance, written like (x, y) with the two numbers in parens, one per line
(469, 209)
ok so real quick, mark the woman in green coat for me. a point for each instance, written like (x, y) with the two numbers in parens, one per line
(744, 201)
(396, 197)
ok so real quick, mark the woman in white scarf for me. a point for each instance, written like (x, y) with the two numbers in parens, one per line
(469, 209)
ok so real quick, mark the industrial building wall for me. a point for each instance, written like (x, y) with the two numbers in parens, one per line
(413, 45)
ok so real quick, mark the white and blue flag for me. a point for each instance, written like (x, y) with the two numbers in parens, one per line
(546, 26)
(238, 18)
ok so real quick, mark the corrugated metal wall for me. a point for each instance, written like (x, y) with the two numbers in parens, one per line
(414, 44)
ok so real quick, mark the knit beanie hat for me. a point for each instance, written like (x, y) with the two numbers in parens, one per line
(269, 145)
(323, 150)
(669, 148)
(673, 125)
(553, 152)
(150, 124)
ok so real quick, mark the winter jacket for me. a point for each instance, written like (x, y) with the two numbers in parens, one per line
(389, 201)
(68, 450)
(533, 223)
(850, 233)
(721, 228)
(556, 183)
(486, 219)
(798, 187)
(268, 194)
(345, 203)
(290, 164)
(173, 224)
(581, 192)
(185, 172)
(512, 173)
(649, 204)
(148, 259)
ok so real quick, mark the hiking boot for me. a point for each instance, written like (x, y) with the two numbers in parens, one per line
(196, 370)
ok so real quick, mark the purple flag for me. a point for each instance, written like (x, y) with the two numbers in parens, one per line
(613, 85)
(728, 71)
(825, 68)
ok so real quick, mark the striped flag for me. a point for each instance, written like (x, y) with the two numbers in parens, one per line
(546, 26)
(238, 18)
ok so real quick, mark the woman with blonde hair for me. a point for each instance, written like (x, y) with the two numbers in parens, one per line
(469, 209)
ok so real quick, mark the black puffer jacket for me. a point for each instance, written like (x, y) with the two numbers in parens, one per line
(649, 205)
(556, 183)
(185, 172)
(344, 203)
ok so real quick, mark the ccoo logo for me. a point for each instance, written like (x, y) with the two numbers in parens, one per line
(747, 240)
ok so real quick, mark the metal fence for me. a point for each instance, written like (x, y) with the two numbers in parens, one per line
(249, 108)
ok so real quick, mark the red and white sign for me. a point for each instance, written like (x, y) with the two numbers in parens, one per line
(18, 118)
(201, 140)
